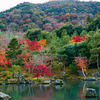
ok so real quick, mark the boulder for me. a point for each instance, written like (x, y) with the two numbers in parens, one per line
(58, 86)
(58, 82)
(91, 93)
(46, 81)
(15, 76)
(62, 73)
(29, 81)
(96, 74)
(21, 78)
(4, 96)
(90, 79)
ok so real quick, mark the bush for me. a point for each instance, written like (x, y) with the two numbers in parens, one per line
(99, 70)
(73, 68)
(80, 78)
(8, 77)
(4, 74)
(15, 69)
(18, 62)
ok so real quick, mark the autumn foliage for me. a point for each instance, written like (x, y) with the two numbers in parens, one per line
(33, 45)
(41, 70)
(3, 60)
(77, 39)
(81, 63)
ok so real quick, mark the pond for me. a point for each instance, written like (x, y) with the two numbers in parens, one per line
(71, 90)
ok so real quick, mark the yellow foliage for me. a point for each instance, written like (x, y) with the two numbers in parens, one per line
(84, 70)
(74, 8)
(42, 42)
(2, 52)
(72, 41)
(67, 15)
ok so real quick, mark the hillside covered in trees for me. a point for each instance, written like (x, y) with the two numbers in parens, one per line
(38, 37)
(47, 16)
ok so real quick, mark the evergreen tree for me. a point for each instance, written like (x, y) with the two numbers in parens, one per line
(14, 50)
(94, 41)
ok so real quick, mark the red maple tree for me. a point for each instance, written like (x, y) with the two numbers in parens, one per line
(41, 70)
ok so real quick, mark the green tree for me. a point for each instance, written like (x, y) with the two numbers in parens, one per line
(93, 40)
(46, 35)
(57, 65)
(73, 68)
(33, 34)
(52, 53)
(75, 34)
(15, 69)
(65, 40)
(14, 50)
(84, 32)
(78, 29)
(2, 25)
(89, 20)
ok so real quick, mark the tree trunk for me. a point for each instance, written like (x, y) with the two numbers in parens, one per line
(32, 72)
(29, 70)
(64, 66)
(97, 58)
(83, 72)
(51, 65)
(97, 62)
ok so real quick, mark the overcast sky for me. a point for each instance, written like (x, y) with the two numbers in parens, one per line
(7, 4)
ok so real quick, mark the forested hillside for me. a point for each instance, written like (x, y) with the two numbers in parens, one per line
(57, 35)
(47, 16)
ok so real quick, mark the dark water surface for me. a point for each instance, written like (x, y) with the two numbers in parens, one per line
(71, 90)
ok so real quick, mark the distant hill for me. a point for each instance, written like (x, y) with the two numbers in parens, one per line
(47, 16)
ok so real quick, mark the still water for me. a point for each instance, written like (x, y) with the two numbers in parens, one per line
(71, 90)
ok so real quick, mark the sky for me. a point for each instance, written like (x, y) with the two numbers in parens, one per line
(7, 4)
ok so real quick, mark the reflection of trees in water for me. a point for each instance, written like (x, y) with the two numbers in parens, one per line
(14, 91)
(43, 93)
(88, 84)
(72, 90)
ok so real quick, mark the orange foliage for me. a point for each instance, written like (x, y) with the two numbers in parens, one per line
(42, 42)
(81, 63)
(27, 56)
(72, 41)
(3, 60)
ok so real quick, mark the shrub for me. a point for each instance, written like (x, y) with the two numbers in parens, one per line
(73, 68)
(8, 77)
(4, 74)
(80, 78)
(15, 69)
(99, 70)
(18, 62)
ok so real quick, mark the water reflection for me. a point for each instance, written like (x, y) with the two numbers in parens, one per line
(71, 90)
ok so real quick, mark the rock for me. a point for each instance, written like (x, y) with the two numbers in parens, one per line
(91, 92)
(29, 81)
(80, 73)
(21, 78)
(62, 73)
(46, 81)
(96, 74)
(52, 79)
(15, 76)
(58, 86)
(4, 96)
(90, 79)
(58, 82)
